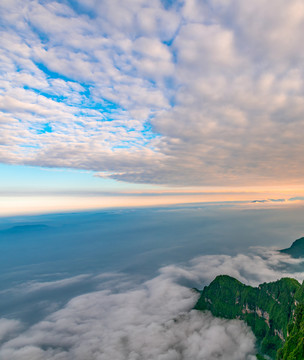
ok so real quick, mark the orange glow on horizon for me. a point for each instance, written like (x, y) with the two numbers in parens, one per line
(36, 204)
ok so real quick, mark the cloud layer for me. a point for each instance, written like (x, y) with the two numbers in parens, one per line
(152, 320)
(183, 92)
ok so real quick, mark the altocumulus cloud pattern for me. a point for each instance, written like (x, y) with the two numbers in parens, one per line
(171, 92)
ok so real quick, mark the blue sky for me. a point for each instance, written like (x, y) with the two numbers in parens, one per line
(46, 179)
(158, 94)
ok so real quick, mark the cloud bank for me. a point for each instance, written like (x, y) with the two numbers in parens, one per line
(152, 320)
(165, 92)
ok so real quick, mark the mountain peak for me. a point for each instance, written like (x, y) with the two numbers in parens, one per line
(296, 250)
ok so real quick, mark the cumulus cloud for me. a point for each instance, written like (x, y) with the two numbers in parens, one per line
(261, 265)
(185, 93)
(151, 320)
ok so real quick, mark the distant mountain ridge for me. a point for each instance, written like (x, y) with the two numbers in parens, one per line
(274, 311)
(296, 250)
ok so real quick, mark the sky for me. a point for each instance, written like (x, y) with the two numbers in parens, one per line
(143, 108)
(103, 102)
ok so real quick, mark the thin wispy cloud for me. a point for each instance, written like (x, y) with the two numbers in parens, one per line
(165, 92)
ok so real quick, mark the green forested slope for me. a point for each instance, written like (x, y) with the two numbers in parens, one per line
(293, 348)
(268, 309)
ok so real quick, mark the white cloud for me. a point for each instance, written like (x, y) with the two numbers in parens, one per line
(210, 90)
(149, 322)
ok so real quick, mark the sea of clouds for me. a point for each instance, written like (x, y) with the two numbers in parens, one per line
(150, 320)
